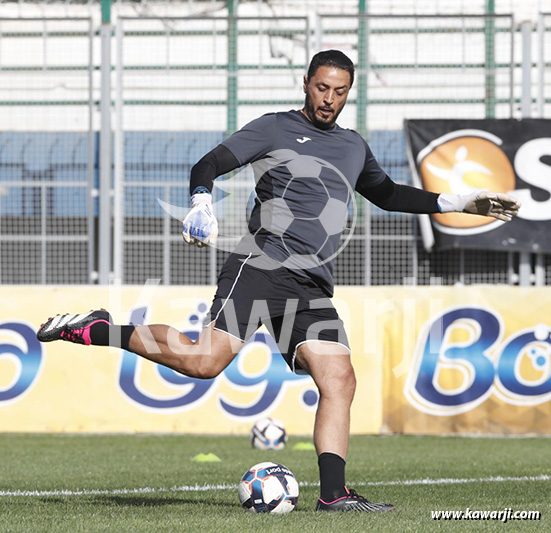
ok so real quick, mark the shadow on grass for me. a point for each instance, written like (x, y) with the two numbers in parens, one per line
(52, 500)
(151, 501)
(142, 501)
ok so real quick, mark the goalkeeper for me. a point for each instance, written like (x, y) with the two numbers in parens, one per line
(294, 299)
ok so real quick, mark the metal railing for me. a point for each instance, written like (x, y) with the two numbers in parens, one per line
(180, 84)
(47, 217)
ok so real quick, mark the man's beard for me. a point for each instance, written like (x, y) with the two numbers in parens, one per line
(311, 112)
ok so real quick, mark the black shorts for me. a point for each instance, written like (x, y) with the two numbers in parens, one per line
(292, 307)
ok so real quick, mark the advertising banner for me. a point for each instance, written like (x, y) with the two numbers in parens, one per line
(436, 360)
(65, 387)
(463, 156)
(469, 360)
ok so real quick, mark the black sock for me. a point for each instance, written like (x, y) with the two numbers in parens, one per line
(104, 334)
(331, 476)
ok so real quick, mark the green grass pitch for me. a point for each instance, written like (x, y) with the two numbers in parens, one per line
(149, 483)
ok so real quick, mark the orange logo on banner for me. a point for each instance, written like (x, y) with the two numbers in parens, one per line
(462, 166)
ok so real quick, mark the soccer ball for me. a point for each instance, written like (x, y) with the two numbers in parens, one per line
(329, 208)
(268, 434)
(268, 488)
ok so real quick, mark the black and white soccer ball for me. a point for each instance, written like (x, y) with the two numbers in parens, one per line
(268, 488)
(268, 434)
(316, 200)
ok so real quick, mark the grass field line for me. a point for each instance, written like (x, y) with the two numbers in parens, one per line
(203, 488)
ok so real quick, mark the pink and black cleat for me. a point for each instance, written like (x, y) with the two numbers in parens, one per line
(72, 328)
(353, 502)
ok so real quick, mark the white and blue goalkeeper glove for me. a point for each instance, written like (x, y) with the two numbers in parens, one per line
(491, 204)
(200, 227)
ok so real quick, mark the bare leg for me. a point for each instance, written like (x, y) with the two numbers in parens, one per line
(330, 366)
(206, 358)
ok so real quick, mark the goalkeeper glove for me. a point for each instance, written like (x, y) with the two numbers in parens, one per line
(200, 226)
(491, 204)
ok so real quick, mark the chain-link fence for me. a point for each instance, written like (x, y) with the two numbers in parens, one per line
(543, 47)
(245, 66)
(180, 85)
(46, 151)
(422, 67)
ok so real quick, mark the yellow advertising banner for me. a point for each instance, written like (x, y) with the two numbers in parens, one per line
(434, 360)
(65, 387)
(468, 360)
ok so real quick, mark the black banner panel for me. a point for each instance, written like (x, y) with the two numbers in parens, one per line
(463, 156)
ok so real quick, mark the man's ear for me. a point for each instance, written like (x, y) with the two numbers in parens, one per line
(304, 83)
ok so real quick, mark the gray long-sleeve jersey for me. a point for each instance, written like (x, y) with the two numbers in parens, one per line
(305, 178)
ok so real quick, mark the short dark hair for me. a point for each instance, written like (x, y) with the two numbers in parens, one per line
(331, 58)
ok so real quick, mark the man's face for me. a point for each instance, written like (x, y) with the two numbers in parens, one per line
(326, 93)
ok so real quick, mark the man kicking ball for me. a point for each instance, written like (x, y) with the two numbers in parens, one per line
(286, 288)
